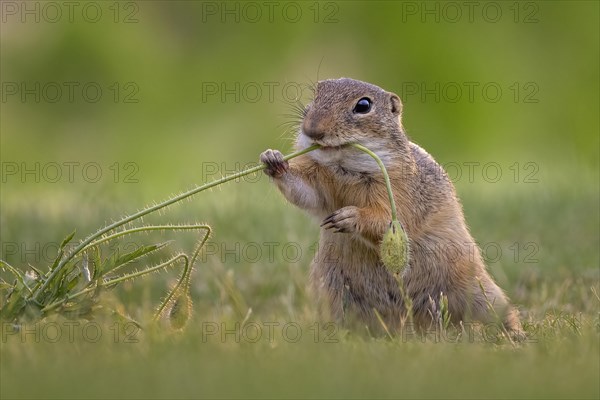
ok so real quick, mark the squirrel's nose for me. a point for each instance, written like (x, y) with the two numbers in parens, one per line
(312, 130)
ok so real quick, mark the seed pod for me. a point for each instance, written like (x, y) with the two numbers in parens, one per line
(394, 251)
(180, 311)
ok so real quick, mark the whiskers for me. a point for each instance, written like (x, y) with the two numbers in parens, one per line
(297, 109)
(294, 117)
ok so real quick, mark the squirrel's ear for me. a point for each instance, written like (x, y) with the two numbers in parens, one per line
(396, 104)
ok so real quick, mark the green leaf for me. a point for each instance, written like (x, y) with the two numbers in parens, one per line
(18, 273)
(57, 260)
(116, 261)
(14, 306)
(59, 284)
(95, 262)
(61, 250)
(73, 283)
(66, 240)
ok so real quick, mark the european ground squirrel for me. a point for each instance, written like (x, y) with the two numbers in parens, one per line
(344, 189)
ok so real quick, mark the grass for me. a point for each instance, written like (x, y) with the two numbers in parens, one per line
(240, 280)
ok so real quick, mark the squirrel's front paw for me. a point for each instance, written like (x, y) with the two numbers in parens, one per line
(276, 165)
(344, 220)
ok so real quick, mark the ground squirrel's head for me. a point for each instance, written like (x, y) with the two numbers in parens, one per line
(346, 110)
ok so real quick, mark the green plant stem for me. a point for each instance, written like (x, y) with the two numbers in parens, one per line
(386, 177)
(150, 228)
(156, 207)
(85, 243)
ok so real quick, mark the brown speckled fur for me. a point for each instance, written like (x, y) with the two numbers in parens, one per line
(347, 275)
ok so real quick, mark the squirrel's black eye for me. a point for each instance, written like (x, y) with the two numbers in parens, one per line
(363, 106)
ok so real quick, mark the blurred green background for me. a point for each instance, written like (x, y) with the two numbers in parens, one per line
(171, 51)
(192, 90)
